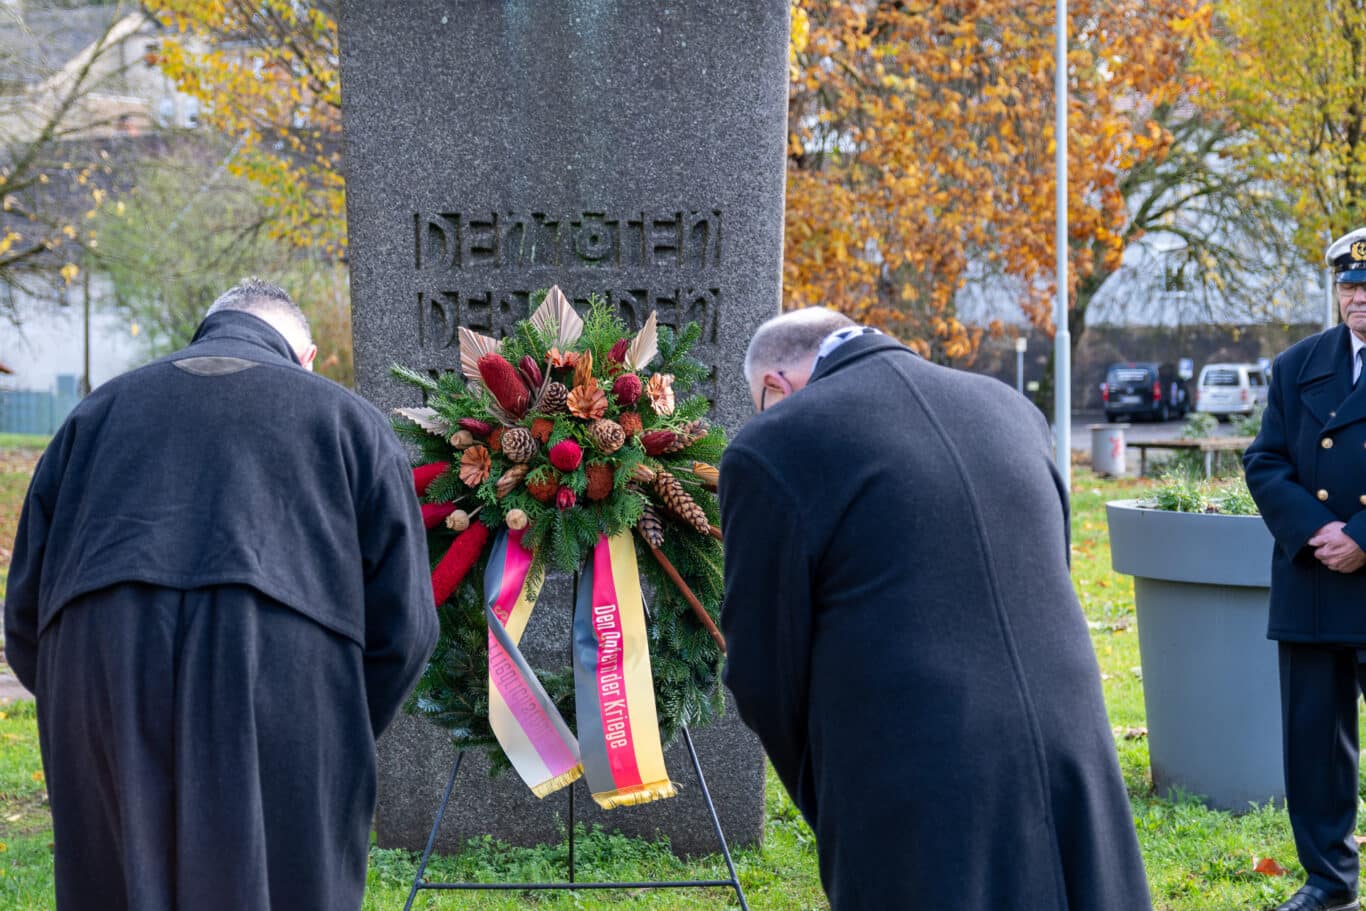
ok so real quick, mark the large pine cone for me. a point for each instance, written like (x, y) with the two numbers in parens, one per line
(671, 492)
(518, 444)
(554, 399)
(651, 527)
(607, 435)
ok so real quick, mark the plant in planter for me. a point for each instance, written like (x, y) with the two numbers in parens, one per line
(1201, 561)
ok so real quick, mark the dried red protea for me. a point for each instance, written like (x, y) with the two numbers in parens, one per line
(531, 371)
(618, 352)
(566, 455)
(504, 384)
(627, 389)
(478, 428)
(565, 499)
(658, 442)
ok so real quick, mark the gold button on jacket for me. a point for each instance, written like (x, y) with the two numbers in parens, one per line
(1327, 443)
(1323, 494)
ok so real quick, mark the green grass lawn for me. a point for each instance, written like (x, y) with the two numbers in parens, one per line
(1198, 860)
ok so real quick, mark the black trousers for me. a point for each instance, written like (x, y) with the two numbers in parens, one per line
(205, 750)
(1320, 685)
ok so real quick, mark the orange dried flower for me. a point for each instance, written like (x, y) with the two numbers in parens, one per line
(475, 463)
(660, 389)
(543, 486)
(557, 360)
(583, 370)
(631, 423)
(541, 429)
(496, 440)
(587, 402)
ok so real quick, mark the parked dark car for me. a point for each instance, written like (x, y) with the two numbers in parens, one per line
(1144, 389)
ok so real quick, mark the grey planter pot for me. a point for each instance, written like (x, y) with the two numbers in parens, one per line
(1211, 684)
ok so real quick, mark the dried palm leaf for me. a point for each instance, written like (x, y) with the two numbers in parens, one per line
(644, 346)
(473, 346)
(555, 311)
(427, 419)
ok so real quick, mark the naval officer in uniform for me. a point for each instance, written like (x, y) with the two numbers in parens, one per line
(1307, 472)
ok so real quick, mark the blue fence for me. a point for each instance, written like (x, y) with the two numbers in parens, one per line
(35, 410)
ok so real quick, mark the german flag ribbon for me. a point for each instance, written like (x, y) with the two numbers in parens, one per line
(528, 726)
(613, 688)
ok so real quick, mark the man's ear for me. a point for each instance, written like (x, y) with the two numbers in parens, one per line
(308, 357)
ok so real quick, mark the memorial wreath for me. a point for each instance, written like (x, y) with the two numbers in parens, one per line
(571, 445)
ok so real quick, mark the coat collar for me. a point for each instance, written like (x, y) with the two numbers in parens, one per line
(1325, 381)
(240, 326)
(853, 350)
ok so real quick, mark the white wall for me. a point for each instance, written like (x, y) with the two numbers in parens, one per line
(50, 340)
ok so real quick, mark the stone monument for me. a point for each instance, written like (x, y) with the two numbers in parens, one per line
(497, 147)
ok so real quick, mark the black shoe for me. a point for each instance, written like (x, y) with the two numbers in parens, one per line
(1312, 898)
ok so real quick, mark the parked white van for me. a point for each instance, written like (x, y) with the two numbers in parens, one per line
(1226, 389)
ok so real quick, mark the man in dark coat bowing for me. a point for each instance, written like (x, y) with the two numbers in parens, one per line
(903, 634)
(1307, 472)
(219, 596)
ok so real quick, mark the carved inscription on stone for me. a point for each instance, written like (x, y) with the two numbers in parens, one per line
(479, 270)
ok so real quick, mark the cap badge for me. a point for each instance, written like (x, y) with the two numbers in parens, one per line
(1359, 250)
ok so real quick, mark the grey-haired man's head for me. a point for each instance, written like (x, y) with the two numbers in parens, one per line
(272, 304)
(783, 351)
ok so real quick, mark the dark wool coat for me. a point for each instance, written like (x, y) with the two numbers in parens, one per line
(904, 638)
(1307, 468)
(219, 594)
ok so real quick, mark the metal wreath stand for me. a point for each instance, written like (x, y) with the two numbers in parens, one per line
(570, 883)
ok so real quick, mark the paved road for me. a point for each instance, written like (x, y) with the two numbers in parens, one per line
(1137, 431)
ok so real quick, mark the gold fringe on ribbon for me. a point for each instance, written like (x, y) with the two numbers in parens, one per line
(559, 781)
(631, 797)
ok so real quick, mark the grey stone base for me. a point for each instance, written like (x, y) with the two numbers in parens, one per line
(415, 759)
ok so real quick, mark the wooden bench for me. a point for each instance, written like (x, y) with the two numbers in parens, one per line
(1208, 446)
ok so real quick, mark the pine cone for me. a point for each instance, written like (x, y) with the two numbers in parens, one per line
(631, 423)
(600, 480)
(543, 485)
(519, 445)
(554, 399)
(671, 492)
(657, 442)
(510, 479)
(606, 435)
(474, 466)
(651, 527)
(694, 431)
(587, 402)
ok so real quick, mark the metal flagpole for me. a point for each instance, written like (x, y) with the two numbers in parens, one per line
(1062, 338)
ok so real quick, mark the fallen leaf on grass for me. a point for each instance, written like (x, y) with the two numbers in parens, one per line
(1360, 839)
(1267, 866)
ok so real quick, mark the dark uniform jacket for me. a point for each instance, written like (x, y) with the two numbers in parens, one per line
(220, 595)
(1307, 468)
(904, 638)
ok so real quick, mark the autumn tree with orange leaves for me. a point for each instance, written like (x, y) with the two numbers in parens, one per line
(921, 151)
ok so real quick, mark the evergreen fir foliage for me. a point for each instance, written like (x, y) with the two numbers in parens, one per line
(685, 660)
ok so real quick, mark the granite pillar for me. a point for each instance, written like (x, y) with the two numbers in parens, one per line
(632, 150)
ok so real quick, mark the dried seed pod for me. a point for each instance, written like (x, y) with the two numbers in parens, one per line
(462, 439)
(509, 480)
(643, 473)
(516, 519)
(474, 465)
(458, 520)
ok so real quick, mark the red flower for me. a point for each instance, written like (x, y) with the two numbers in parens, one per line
(657, 442)
(449, 573)
(566, 455)
(503, 382)
(478, 428)
(531, 371)
(627, 389)
(424, 475)
(618, 353)
(565, 499)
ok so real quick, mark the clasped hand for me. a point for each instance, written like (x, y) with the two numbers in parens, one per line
(1336, 550)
